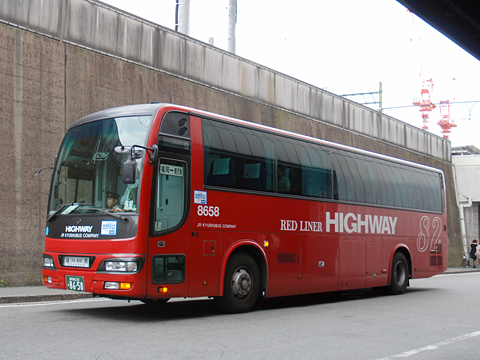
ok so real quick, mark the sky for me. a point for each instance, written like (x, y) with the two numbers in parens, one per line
(344, 47)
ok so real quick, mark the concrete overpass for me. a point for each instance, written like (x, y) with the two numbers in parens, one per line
(457, 20)
(63, 59)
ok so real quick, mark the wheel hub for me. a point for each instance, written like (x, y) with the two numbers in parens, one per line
(241, 283)
(400, 273)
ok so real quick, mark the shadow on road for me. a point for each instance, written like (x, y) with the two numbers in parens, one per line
(190, 309)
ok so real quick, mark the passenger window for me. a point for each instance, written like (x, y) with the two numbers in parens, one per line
(354, 177)
(384, 184)
(316, 172)
(402, 185)
(237, 157)
(306, 166)
(426, 190)
(289, 169)
(366, 173)
(243, 158)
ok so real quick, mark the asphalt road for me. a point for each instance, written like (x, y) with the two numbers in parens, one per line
(437, 318)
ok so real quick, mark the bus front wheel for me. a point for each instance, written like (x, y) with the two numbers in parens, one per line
(241, 285)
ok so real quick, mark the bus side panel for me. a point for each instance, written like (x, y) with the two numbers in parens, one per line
(352, 273)
(320, 263)
(204, 262)
(428, 244)
(170, 245)
(205, 250)
(377, 264)
(285, 262)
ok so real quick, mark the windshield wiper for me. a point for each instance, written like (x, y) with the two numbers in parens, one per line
(65, 209)
(118, 216)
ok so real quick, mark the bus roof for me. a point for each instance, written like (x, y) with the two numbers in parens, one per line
(120, 111)
(152, 108)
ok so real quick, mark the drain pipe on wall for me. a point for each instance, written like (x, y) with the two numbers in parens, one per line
(461, 206)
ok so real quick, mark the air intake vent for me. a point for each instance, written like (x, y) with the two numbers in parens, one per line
(176, 123)
(285, 258)
(436, 260)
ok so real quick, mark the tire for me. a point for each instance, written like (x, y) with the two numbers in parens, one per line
(242, 284)
(399, 275)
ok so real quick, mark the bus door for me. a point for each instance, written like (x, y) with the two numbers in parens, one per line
(169, 234)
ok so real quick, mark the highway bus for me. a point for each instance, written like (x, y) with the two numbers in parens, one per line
(157, 201)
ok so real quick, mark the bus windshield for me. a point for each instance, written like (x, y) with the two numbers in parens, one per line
(88, 172)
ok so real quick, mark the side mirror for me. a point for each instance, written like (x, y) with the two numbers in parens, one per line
(151, 152)
(154, 157)
(129, 174)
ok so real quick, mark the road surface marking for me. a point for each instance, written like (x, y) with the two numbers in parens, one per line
(434, 346)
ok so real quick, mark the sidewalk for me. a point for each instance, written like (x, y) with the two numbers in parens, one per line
(37, 293)
(23, 294)
(455, 270)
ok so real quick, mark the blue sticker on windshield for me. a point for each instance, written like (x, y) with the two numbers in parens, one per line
(109, 227)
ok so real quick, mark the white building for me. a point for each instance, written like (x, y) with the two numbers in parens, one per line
(466, 161)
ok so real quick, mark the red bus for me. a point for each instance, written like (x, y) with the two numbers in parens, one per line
(157, 201)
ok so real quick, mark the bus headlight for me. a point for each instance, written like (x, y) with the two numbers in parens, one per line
(48, 262)
(126, 265)
(122, 266)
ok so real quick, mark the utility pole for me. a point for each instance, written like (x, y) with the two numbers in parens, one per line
(232, 22)
(182, 16)
(368, 98)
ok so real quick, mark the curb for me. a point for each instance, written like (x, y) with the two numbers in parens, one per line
(39, 298)
(463, 271)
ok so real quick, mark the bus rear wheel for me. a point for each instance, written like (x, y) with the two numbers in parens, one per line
(241, 285)
(400, 276)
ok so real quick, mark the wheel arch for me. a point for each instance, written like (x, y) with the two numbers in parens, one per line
(255, 251)
(402, 248)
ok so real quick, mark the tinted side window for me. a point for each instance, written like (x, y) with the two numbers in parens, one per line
(402, 185)
(385, 184)
(353, 176)
(427, 190)
(289, 170)
(237, 157)
(307, 167)
(317, 171)
(392, 184)
(435, 183)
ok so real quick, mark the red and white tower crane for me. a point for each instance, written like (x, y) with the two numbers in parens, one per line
(425, 102)
(445, 122)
